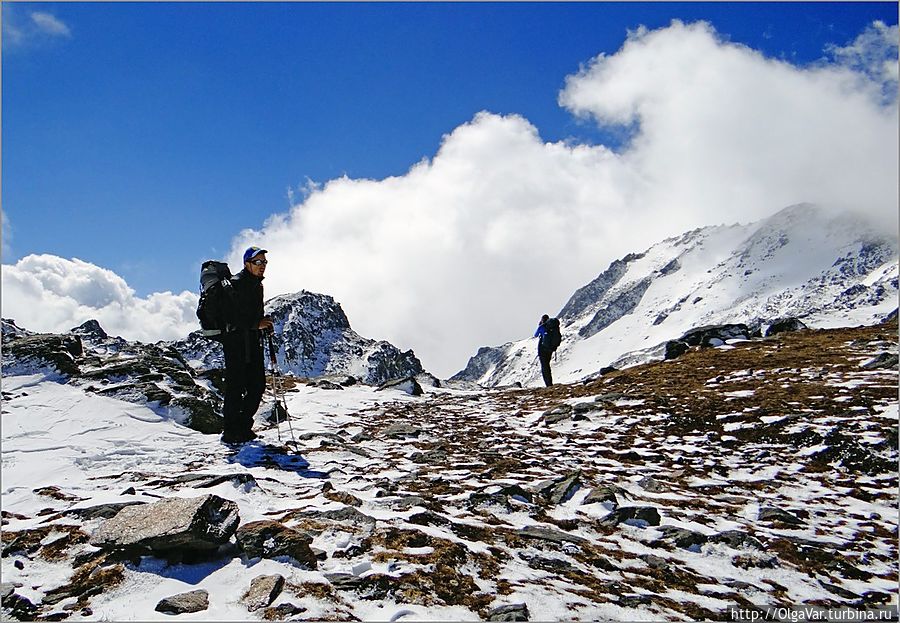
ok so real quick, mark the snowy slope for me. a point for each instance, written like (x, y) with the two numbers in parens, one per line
(802, 262)
(652, 494)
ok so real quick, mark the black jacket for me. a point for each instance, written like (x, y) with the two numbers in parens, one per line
(247, 309)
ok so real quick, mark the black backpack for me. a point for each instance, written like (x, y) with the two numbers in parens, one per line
(553, 338)
(216, 297)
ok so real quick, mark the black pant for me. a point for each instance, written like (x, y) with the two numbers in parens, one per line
(544, 355)
(245, 381)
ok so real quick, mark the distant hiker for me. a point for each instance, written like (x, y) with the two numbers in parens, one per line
(245, 377)
(550, 339)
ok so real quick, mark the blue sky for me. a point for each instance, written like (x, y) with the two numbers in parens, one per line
(144, 137)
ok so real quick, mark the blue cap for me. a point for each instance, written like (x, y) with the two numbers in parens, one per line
(252, 252)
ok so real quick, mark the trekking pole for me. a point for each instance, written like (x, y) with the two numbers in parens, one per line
(278, 389)
(276, 406)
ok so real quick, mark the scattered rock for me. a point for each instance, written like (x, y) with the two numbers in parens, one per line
(432, 457)
(553, 418)
(325, 384)
(558, 490)
(610, 397)
(89, 579)
(642, 515)
(680, 537)
(783, 325)
(884, 361)
(511, 612)
(737, 540)
(722, 332)
(651, 484)
(604, 494)
(281, 612)
(773, 514)
(18, 607)
(549, 534)
(675, 349)
(633, 601)
(270, 539)
(264, 589)
(409, 385)
(655, 562)
(183, 603)
(401, 430)
(202, 523)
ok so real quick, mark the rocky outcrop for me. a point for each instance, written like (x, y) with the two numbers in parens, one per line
(588, 295)
(140, 373)
(314, 339)
(43, 351)
(612, 311)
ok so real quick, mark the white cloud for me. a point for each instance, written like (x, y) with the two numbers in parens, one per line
(50, 293)
(50, 24)
(727, 133)
(37, 27)
(875, 53)
(471, 247)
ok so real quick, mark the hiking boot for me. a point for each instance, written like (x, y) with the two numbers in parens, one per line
(234, 438)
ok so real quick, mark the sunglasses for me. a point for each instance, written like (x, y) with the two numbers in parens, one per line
(259, 262)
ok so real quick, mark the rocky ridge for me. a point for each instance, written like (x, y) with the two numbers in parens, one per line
(87, 357)
(313, 339)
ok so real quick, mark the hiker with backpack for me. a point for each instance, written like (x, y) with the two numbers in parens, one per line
(231, 311)
(549, 340)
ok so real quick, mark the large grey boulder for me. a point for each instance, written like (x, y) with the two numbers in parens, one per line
(194, 601)
(201, 523)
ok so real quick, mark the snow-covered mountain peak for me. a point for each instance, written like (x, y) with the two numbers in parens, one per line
(313, 338)
(828, 269)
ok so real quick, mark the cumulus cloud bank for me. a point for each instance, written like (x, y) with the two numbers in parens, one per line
(470, 247)
(49, 293)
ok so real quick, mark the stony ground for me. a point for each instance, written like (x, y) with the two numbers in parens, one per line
(761, 473)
